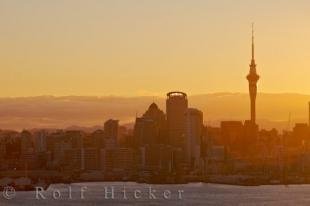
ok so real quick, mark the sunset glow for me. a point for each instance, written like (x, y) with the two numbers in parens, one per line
(134, 48)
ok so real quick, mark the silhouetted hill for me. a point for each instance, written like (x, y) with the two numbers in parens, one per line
(61, 112)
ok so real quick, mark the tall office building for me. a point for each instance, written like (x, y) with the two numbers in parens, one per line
(232, 135)
(41, 141)
(252, 78)
(194, 131)
(111, 132)
(159, 118)
(145, 132)
(155, 114)
(176, 107)
(146, 128)
(26, 142)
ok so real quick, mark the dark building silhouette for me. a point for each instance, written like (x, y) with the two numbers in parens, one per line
(154, 155)
(145, 132)
(176, 107)
(150, 129)
(111, 132)
(111, 128)
(301, 134)
(231, 134)
(160, 121)
(194, 132)
(98, 138)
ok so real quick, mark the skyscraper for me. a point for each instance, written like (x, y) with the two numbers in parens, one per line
(176, 106)
(151, 127)
(111, 132)
(40, 141)
(253, 77)
(159, 118)
(145, 132)
(194, 129)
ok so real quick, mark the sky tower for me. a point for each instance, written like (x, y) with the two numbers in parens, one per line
(253, 77)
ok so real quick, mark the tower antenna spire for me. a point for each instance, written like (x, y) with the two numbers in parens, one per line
(253, 40)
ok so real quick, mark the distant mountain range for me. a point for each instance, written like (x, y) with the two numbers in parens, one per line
(279, 111)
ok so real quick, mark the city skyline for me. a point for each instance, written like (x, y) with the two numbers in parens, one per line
(64, 112)
(88, 49)
(192, 101)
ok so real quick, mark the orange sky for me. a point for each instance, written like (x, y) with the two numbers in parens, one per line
(129, 48)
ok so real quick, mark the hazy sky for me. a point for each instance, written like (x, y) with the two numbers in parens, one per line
(144, 47)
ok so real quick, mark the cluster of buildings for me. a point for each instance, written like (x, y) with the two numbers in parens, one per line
(163, 145)
(159, 145)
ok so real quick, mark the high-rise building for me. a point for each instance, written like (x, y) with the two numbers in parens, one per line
(145, 132)
(98, 137)
(155, 158)
(90, 158)
(159, 118)
(111, 128)
(232, 135)
(82, 159)
(154, 113)
(28, 158)
(41, 141)
(252, 78)
(176, 107)
(111, 132)
(26, 142)
(151, 128)
(124, 160)
(118, 162)
(194, 132)
(75, 138)
(107, 159)
(301, 133)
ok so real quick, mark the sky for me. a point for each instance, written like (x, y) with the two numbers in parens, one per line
(140, 47)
